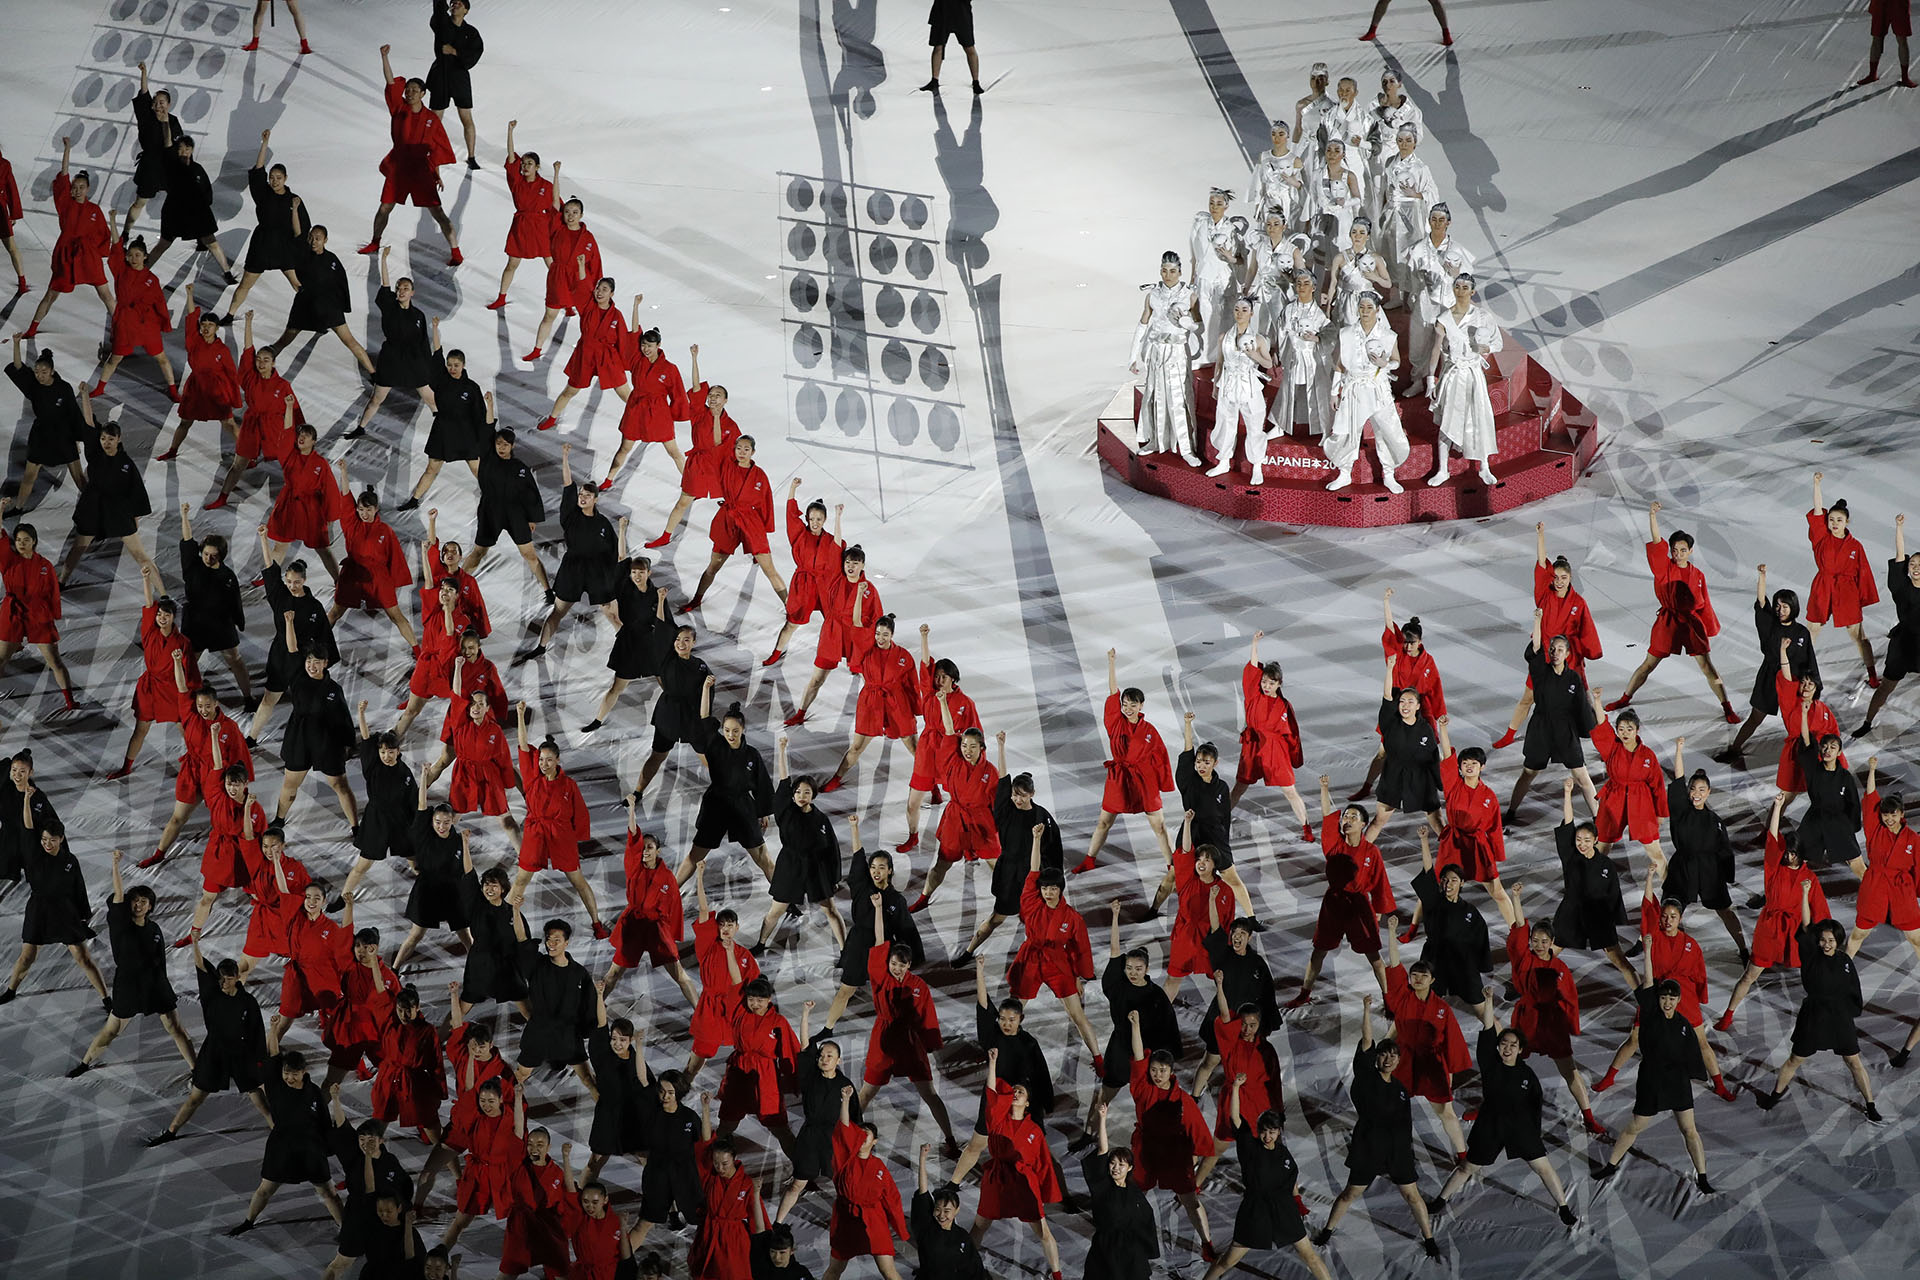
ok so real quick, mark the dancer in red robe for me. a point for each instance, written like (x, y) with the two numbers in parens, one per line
(164, 692)
(867, 1216)
(1357, 895)
(1055, 953)
(888, 703)
(732, 1212)
(1887, 874)
(411, 168)
(849, 607)
(1270, 742)
(659, 400)
(1432, 1050)
(308, 504)
(376, 566)
(412, 1079)
(1686, 622)
(726, 967)
(1547, 1015)
(945, 714)
(1672, 956)
(141, 316)
(1021, 1178)
(654, 920)
(744, 521)
(211, 392)
(11, 211)
(599, 354)
(1413, 668)
(271, 417)
(1563, 612)
(1170, 1134)
(710, 440)
(760, 1068)
(1633, 799)
(1137, 768)
(1776, 933)
(573, 266)
(1843, 581)
(906, 1027)
(967, 830)
(816, 563)
(32, 604)
(557, 822)
(535, 202)
(86, 238)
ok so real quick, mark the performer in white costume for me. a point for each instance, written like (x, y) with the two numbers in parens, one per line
(1237, 382)
(1392, 110)
(1468, 333)
(1432, 263)
(1407, 194)
(1271, 263)
(1168, 323)
(1216, 245)
(1368, 353)
(1305, 378)
(1308, 115)
(1357, 270)
(1276, 180)
(1334, 194)
(1349, 121)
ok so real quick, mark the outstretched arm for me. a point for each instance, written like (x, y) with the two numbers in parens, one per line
(1113, 676)
(1540, 543)
(1653, 522)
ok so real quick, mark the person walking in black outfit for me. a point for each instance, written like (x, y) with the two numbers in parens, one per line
(456, 49)
(112, 503)
(406, 347)
(233, 1053)
(738, 802)
(952, 19)
(319, 732)
(462, 419)
(1827, 1010)
(1508, 1123)
(1269, 1214)
(1830, 829)
(1382, 1142)
(1562, 718)
(590, 566)
(62, 418)
(808, 868)
(1776, 618)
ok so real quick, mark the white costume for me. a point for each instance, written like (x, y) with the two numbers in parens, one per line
(1271, 283)
(1407, 194)
(1304, 379)
(1431, 270)
(1238, 398)
(1461, 406)
(1349, 124)
(1336, 198)
(1216, 249)
(1160, 349)
(1354, 281)
(1275, 184)
(1385, 124)
(1366, 396)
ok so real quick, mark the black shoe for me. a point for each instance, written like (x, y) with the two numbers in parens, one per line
(8, 996)
(253, 743)
(1637, 949)
(1566, 1215)
(1431, 1246)
(1436, 1205)
(225, 321)
(1900, 1059)
(1321, 1237)
(81, 1068)
(1605, 1171)
(931, 86)
(1728, 756)
(591, 726)
(355, 434)
(240, 1230)
(1863, 731)
(1510, 993)
(1768, 1101)
(411, 504)
(1873, 1114)
(230, 278)
(1700, 1181)
(793, 911)
(1756, 901)
(160, 1139)
(977, 90)
(473, 163)
(674, 1221)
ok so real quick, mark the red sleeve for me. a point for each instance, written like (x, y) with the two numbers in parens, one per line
(396, 95)
(677, 394)
(1817, 530)
(1111, 715)
(1870, 817)
(1030, 903)
(1140, 1085)
(1604, 740)
(796, 527)
(1542, 583)
(1517, 952)
(1330, 834)
(928, 1017)
(1661, 563)
(398, 572)
(1569, 999)
(1082, 948)
(582, 824)
(1396, 986)
(1453, 1046)
(529, 768)
(877, 963)
(847, 1141)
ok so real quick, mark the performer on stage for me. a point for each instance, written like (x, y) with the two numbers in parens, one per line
(1903, 642)
(412, 167)
(1467, 334)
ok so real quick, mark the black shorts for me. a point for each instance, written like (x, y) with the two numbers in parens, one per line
(1490, 1136)
(150, 174)
(951, 18)
(1569, 756)
(665, 740)
(667, 1184)
(216, 1070)
(719, 822)
(291, 1162)
(488, 528)
(1658, 1092)
(1393, 1161)
(306, 749)
(453, 87)
(574, 579)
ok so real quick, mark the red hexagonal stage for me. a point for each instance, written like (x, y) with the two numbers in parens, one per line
(1547, 441)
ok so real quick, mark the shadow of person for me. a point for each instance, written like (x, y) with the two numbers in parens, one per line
(863, 68)
(971, 211)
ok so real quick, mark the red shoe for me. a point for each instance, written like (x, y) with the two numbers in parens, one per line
(797, 718)
(532, 355)
(497, 303)
(305, 48)
(658, 542)
(919, 905)
(251, 46)
(1306, 833)
(571, 313)
(1468, 1117)
(24, 287)
(168, 456)
(606, 484)
(371, 246)
(125, 770)
(1726, 709)
(1873, 681)
(548, 423)
(1604, 1083)
(1087, 863)
(1412, 931)
(601, 931)
(1300, 1000)
(1099, 1064)
(833, 784)
(151, 860)
(215, 504)
(1373, 33)
(33, 331)
(1723, 1093)
(1446, 37)
(173, 393)
(97, 392)
(908, 845)
(66, 696)
(361, 1071)
(1618, 703)
(773, 659)
(1593, 1126)
(1725, 1023)
(689, 606)
(1505, 739)
(1207, 1252)
(936, 797)
(455, 258)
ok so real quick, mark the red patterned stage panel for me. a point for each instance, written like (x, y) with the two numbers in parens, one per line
(1547, 440)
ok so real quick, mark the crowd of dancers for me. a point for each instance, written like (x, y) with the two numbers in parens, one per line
(469, 1071)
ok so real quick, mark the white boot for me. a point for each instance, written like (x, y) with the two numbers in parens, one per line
(1439, 476)
(1344, 479)
(1221, 467)
(1486, 472)
(1257, 477)
(1386, 470)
